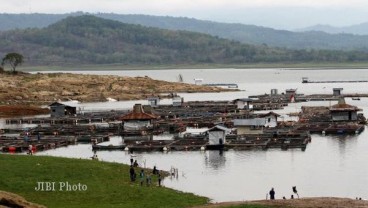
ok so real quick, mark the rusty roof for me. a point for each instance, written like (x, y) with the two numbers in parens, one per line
(344, 107)
(137, 116)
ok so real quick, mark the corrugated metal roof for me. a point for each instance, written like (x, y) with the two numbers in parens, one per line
(250, 122)
(222, 128)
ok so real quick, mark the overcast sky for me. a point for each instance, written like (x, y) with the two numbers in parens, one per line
(281, 14)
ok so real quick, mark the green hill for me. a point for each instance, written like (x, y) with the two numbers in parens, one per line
(91, 40)
(249, 34)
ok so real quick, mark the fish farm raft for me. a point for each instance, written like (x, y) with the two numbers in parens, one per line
(188, 126)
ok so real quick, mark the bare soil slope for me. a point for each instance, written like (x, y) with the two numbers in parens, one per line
(45, 88)
(12, 200)
(21, 110)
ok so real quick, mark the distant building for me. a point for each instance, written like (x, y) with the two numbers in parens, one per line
(289, 92)
(274, 92)
(60, 110)
(198, 81)
(344, 112)
(177, 101)
(337, 91)
(256, 123)
(243, 103)
(154, 101)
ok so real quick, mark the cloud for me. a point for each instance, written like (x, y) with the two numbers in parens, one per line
(163, 7)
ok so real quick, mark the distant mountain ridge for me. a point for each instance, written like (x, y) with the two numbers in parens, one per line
(249, 34)
(92, 40)
(358, 29)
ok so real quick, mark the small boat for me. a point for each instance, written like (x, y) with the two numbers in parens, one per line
(355, 98)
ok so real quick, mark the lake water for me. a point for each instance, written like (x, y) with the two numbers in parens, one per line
(330, 166)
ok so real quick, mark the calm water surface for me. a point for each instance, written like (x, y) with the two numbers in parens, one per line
(330, 166)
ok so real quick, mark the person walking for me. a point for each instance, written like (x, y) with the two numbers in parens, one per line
(272, 194)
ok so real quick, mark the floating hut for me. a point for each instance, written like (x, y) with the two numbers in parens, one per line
(60, 110)
(137, 121)
(243, 103)
(177, 101)
(344, 112)
(217, 135)
(256, 123)
(154, 101)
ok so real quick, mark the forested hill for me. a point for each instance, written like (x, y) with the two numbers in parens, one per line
(92, 40)
(249, 34)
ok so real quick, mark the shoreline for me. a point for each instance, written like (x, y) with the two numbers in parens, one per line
(119, 67)
(305, 202)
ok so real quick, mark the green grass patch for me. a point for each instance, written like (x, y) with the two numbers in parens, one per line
(108, 184)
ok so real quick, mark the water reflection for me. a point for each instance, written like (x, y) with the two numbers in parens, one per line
(215, 159)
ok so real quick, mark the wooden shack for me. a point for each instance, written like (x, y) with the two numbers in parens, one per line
(60, 110)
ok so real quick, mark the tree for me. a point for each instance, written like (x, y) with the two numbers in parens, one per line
(14, 59)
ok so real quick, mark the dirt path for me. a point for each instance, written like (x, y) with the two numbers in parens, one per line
(316, 202)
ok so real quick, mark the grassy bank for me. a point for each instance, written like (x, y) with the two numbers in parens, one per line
(313, 65)
(108, 184)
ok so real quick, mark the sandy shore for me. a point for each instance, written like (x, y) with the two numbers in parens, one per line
(313, 202)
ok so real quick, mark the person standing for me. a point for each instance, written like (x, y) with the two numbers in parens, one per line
(135, 164)
(132, 173)
(272, 194)
(30, 149)
(295, 191)
(148, 179)
(141, 176)
(159, 178)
